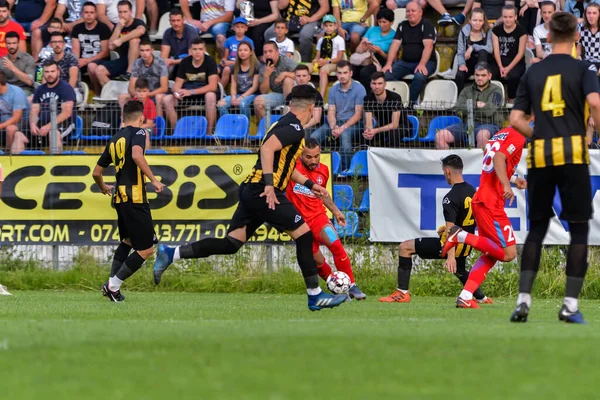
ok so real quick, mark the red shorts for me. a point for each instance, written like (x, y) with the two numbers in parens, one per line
(494, 224)
(316, 225)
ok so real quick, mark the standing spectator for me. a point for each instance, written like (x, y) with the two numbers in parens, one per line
(304, 17)
(510, 40)
(543, 48)
(33, 14)
(39, 116)
(17, 66)
(210, 16)
(276, 80)
(330, 51)
(13, 114)
(126, 40)
(417, 37)
(8, 25)
(588, 47)
(265, 13)
(474, 46)
(386, 108)
(285, 44)
(344, 114)
(67, 63)
(90, 38)
(196, 83)
(240, 27)
(352, 17)
(108, 11)
(176, 41)
(487, 99)
(244, 81)
(302, 77)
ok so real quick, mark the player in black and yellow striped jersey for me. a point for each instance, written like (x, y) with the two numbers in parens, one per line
(555, 90)
(136, 229)
(457, 211)
(262, 199)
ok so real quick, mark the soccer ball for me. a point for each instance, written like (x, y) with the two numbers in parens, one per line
(338, 282)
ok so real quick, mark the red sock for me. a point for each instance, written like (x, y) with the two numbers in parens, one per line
(478, 273)
(485, 245)
(324, 270)
(341, 259)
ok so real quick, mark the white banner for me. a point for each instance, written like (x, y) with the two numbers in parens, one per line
(407, 187)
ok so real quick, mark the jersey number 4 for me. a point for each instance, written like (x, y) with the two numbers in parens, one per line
(552, 99)
(117, 153)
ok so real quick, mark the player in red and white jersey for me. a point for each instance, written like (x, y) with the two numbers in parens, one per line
(496, 238)
(313, 210)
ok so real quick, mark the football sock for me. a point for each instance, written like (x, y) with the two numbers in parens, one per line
(478, 273)
(176, 255)
(485, 245)
(132, 264)
(324, 270)
(341, 259)
(530, 257)
(306, 261)
(463, 276)
(576, 262)
(572, 304)
(114, 283)
(466, 295)
(208, 247)
(119, 258)
(313, 292)
(524, 298)
(404, 269)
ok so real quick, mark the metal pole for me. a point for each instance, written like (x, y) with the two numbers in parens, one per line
(55, 257)
(267, 118)
(53, 126)
(470, 122)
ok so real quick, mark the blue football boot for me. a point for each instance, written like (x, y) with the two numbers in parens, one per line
(164, 258)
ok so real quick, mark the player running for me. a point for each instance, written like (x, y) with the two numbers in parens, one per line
(457, 211)
(496, 238)
(312, 209)
(262, 199)
(136, 229)
(556, 90)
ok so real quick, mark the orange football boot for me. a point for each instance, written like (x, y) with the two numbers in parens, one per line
(487, 300)
(396, 297)
(462, 303)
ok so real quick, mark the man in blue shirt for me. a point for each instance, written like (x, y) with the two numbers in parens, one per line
(13, 112)
(344, 115)
(176, 41)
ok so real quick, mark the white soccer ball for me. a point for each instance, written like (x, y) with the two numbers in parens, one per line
(338, 282)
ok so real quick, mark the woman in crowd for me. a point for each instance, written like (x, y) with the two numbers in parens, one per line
(588, 48)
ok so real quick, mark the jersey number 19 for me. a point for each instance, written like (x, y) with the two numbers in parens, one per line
(117, 153)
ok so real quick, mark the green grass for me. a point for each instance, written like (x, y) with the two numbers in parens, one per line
(77, 345)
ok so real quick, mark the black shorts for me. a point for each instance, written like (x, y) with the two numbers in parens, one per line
(430, 248)
(196, 100)
(38, 142)
(253, 211)
(135, 224)
(574, 187)
(116, 67)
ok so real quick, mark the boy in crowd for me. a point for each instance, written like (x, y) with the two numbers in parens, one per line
(330, 51)
(285, 44)
(142, 94)
(240, 27)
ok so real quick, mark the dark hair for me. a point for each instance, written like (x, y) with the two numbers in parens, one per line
(12, 35)
(125, 3)
(344, 64)
(386, 14)
(4, 4)
(89, 4)
(376, 75)
(563, 27)
(49, 62)
(142, 83)
(2, 78)
(302, 67)
(176, 11)
(197, 40)
(483, 66)
(271, 43)
(55, 20)
(145, 41)
(311, 143)
(132, 110)
(547, 3)
(303, 93)
(53, 34)
(281, 21)
(510, 7)
(453, 161)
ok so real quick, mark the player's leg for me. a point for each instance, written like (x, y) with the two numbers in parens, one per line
(121, 254)
(401, 294)
(323, 268)
(463, 276)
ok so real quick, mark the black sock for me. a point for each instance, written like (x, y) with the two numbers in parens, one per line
(208, 247)
(132, 264)
(119, 258)
(404, 269)
(312, 282)
(531, 255)
(306, 261)
(577, 264)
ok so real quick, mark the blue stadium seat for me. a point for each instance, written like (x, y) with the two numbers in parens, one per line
(439, 123)
(1, 152)
(73, 153)
(161, 126)
(260, 134)
(95, 138)
(196, 151)
(336, 162)
(32, 153)
(231, 127)
(190, 127)
(358, 166)
(364, 204)
(78, 129)
(156, 151)
(238, 151)
(343, 196)
(351, 228)
(414, 122)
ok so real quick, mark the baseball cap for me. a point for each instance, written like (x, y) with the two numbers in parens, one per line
(240, 20)
(329, 18)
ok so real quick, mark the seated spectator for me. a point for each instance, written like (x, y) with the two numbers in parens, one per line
(276, 80)
(302, 77)
(8, 25)
(588, 48)
(176, 41)
(286, 45)
(543, 48)
(196, 83)
(244, 81)
(240, 27)
(73, 9)
(265, 13)
(33, 14)
(387, 109)
(474, 46)
(40, 39)
(376, 42)
(67, 64)
(153, 70)
(17, 66)
(142, 94)
(154, 9)
(352, 17)
(108, 11)
(210, 16)
(344, 115)
(438, 6)
(39, 116)
(90, 38)
(492, 9)
(126, 41)
(487, 99)
(509, 41)
(330, 51)
(417, 37)
(528, 15)
(13, 114)
(578, 7)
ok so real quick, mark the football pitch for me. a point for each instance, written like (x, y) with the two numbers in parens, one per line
(77, 345)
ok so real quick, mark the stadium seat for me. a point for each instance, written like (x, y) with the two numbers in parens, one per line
(414, 123)
(439, 95)
(156, 151)
(190, 127)
(85, 93)
(78, 129)
(111, 91)
(163, 25)
(401, 88)
(260, 134)
(231, 127)
(351, 228)
(1, 152)
(343, 196)
(114, 55)
(364, 203)
(528, 56)
(196, 151)
(336, 162)
(450, 73)
(73, 153)
(438, 123)
(32, 153)
(501, 86)
(399, 16)
(238, 151)
(297, 57)
(358, 166)
(435, 73)
(161, 127)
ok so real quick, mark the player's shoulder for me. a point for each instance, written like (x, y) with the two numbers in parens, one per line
(287, 123)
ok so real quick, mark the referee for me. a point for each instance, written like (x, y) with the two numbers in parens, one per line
(555, 90)
(262, 199)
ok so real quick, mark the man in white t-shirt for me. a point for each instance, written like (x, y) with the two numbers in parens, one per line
(543, 48)
(330, 51)
(210, 16)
